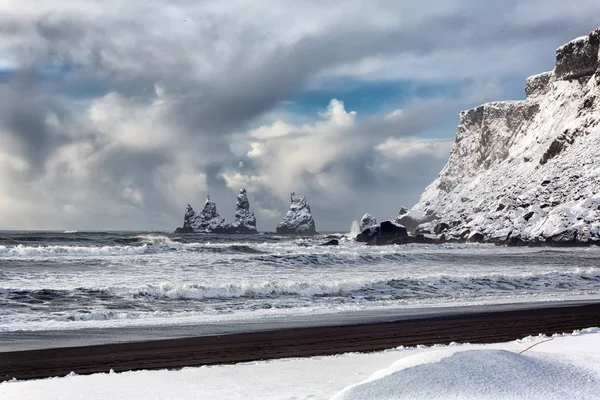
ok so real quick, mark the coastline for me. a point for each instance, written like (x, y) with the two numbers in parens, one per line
(484, 324)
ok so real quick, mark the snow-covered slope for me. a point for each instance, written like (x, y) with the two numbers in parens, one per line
(298, 219)
(245, 221)
(527, 171)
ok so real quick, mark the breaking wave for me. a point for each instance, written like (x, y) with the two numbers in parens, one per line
(53, 251)
(393, 289)
(396, 289)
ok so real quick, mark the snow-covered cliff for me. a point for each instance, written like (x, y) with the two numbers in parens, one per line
(527, 171)
(245, 221)
(298, 219)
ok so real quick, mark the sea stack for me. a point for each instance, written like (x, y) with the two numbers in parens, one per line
(245, 221)
(208, 221)
(298, 219)
(526, 172)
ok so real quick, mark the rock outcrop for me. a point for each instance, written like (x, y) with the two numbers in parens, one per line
(298, 219)
(208, 221)
(411, 219)
(366, 222)
(384, 233)
(245, 221)
(527, 172)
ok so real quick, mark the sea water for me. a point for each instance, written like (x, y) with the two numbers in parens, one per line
(72, 280)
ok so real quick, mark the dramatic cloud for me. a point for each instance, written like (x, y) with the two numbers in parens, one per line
(115, 115)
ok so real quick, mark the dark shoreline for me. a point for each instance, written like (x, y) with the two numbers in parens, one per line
(480, 327)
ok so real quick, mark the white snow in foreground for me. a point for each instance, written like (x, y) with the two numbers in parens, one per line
(565, 367)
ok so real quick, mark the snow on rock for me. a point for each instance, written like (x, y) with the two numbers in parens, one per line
(578, 58)
(245, 221)
(527, 171)
(367, 221)
(411, 219)
(298, 219)
(208, 221)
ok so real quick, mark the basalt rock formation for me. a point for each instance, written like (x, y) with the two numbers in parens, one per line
(207, 221)
(298, 219)
(245, 221)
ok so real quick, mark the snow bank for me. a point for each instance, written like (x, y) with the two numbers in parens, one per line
(567, 366)
(477, 374)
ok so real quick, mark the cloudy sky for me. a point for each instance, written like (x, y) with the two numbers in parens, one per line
(115, 115)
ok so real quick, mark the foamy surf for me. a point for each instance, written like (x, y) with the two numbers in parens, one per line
(105, 278)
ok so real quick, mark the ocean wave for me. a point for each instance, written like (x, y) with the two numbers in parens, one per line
(54, 251)
(161, 300)
(154, 240)
(347, 291)
(400, 288)
(394, 289)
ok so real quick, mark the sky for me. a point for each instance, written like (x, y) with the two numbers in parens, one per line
(115, 115)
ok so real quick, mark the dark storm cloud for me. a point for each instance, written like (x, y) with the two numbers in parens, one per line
(219, 76)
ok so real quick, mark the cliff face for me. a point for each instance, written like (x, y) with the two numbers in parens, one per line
(527, 170)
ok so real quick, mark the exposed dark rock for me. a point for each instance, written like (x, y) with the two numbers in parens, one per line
(384, 233)
(578, 58)
(332, 242)
(441, 228)
(476, 237)
(528, 216)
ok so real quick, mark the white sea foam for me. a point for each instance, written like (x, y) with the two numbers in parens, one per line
(53, 251)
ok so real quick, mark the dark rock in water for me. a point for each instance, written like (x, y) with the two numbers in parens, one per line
(208, 221)
(298, 219)
(385, 233)
(422, 239)
(245, 221)
(332, 242)
(184, 229)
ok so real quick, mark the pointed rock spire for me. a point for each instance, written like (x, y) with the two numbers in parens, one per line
(298, 219)
(245, 221)
(207, 221)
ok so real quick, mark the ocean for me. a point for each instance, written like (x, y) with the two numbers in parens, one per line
(75, 280)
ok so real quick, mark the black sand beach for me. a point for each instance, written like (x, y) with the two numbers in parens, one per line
(473, 327)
